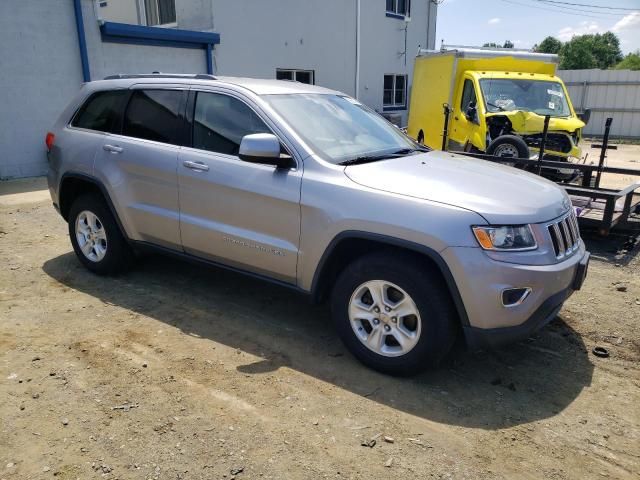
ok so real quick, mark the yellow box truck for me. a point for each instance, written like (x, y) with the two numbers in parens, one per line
(498, 99)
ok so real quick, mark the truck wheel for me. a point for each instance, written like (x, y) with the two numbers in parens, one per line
(96, 238)
(509, 146)
(393, 313)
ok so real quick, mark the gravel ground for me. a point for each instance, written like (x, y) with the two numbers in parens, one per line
(180, 372)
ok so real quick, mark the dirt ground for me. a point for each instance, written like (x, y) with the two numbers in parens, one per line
(180, 372)
(624, 156)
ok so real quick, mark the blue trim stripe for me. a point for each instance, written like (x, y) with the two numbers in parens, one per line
(82, 42)
(112, 31)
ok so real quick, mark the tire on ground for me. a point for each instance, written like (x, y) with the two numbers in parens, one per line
(119, 256)
(425, 287)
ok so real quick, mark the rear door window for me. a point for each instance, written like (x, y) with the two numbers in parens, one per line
(155, 115)
(102, 111)
(220, 122)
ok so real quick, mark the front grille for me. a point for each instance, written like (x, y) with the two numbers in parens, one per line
(557, 142)
(565, 235)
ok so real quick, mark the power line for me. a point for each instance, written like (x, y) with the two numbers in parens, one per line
(536, 7)
(588, 5)
(581, 10)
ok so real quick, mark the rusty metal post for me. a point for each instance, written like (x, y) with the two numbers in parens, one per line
(603, 150)
(543, 142)
(445, 130)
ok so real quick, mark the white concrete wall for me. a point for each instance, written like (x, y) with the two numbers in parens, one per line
(111, 58)
(40, 66)
(258, 37)
(40, 71)
(609, 93)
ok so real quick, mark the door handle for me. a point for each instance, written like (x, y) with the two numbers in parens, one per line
(198, 166)
(112, 148)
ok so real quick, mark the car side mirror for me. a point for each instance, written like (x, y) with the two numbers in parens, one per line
(585, 116)
(263, 148)
(471, 112)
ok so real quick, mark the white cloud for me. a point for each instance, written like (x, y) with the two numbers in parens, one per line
(627, 29)
(586, 27)
(494, 21)
(627, 23)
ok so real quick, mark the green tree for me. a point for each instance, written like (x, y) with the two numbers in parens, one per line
(630, 62)
(549, 45)
(507, 44)
(577, 54)
(606, 49)
(591, 51)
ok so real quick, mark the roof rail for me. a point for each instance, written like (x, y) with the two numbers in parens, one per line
(445, 47)
(488, 52)
(197, 76)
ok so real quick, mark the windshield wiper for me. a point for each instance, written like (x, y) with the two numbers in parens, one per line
(496, 106)
(386, 156)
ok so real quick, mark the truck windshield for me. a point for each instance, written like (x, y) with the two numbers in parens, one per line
(538, 96)
(340, 129)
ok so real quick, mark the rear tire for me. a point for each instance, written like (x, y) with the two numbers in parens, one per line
(96, 237)
(407, 326)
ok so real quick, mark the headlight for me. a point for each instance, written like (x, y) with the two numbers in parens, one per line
(506, 237)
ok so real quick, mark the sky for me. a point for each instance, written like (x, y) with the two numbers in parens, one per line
(527, 22)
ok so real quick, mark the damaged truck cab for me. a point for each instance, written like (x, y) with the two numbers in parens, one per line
(498, 99)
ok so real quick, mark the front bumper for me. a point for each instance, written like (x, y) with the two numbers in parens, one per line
(481, 280)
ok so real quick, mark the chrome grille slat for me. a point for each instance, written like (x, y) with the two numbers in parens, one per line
(558, 235)
(565, 235)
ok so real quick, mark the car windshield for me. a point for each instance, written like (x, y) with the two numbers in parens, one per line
(340, 129)
(538, 96)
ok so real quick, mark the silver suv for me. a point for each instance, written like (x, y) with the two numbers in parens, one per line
(308, 188)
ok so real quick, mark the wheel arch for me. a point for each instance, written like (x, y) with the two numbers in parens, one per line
(348, 245)
(74, 184)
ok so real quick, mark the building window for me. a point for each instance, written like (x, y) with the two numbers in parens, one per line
(302, 76)
(399, 8)
(395, 92)
(160, 12)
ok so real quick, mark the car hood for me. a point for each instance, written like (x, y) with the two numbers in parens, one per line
(524, 122)
(501, 194)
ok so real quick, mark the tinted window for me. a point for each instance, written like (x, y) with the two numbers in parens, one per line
(102, 112)
(154, 115)
(221, 121)
(468, 95)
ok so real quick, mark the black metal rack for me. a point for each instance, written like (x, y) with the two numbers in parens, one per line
(589, 189)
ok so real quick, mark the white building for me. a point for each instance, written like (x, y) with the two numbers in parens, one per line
(364, 48)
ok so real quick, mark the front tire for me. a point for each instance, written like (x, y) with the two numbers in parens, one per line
(510, 146)
(96, 237)
(393, 313)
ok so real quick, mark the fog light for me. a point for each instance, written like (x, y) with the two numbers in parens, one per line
(512, 297)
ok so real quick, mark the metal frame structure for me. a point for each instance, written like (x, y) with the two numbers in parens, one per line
(589, 188)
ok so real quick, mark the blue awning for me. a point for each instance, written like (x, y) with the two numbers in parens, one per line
(142, 35)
